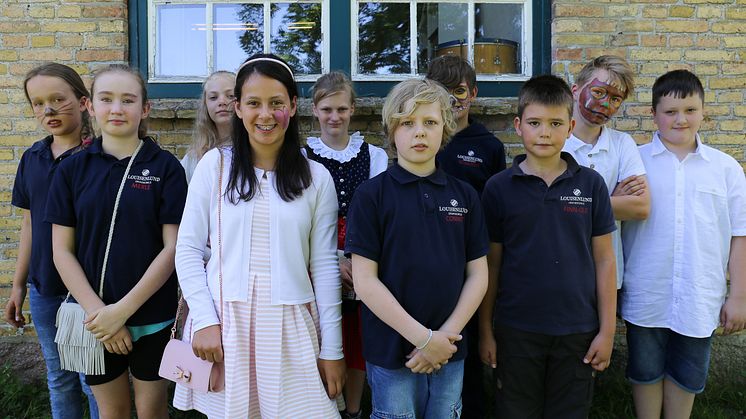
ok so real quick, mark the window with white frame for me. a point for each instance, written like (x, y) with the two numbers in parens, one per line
(188, 40)
(395, 39)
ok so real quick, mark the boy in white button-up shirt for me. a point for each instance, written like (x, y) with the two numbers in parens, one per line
(599, 90)
(674, 293)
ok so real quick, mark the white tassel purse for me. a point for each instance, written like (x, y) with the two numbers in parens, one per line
(79, 350)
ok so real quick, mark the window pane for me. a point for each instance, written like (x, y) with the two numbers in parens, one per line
(441, 30)
(498, 38)
(180, 41)
(296, 35)
(238, 34)
(383, 40)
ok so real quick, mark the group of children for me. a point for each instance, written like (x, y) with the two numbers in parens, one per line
(308, 268)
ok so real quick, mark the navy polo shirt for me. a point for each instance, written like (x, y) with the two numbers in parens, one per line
(473, 155)
(82, 196)
(421, 231)
(548, 279)
(34, 175)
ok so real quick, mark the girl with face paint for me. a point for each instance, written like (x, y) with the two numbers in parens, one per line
(58, 99)
(274, 231)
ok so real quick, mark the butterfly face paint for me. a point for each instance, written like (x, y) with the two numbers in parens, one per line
(599, 101)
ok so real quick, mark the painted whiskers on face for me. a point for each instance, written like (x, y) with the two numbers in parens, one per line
(55, 106)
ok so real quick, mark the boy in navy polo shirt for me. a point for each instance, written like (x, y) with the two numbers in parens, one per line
(418, 245)
(472, 155)
(550, 224)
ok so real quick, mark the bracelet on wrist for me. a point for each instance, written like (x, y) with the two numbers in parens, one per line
(429, 336)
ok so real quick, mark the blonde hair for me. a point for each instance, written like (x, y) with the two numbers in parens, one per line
(331, 84)
(205, 133)
(404, 98)
(620, 72)
(142, 129)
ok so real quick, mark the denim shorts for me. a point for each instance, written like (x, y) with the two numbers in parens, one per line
(656, 353)
(402, 394)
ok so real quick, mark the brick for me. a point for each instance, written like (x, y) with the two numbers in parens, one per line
(638, 110)
(681, 11)
(677, 26)
(739, 110)
(724, 97)
(73, 27)
(111, 26)
(71, 40)
(622, 11)
(54, 54)
(734, 68)
(568, 40)
(653, 40)
(567, 25)
(42, 41)
(98, 42)
(716, 110)
(708, 1)
(41, 12)
(13, 11)
(561, 10)
(706, 69)
(719, 138)
(13, 140)
(3, 70)
(100, 55)
(680, 41)
(24, 125)
(708, 41)
(654, 11)
(103, 11)
(627, 124)
(709, 12)
(574, 54)
(734, 41)
(641, 25)
(653, 68)
(735, 13)
(6, 155)
(20, 69)
(595, 52)
(655, 54)
(729, 27)
(599, 25)
(17, 41)
(19, 27)
(732, 125)
(69, 11)
(624, 40)
(709, 55)
(728, 83)
(8, 55)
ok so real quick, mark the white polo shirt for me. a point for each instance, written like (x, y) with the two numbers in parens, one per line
(615, 157)
(676, 260)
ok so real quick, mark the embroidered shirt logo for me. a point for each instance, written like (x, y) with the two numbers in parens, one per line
(454, 203)
(575, 203)
(145, 172)
(453, 213)
(143, 181)
(576, 192)
(469, 159)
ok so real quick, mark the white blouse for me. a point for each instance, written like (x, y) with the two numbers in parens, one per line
(303, 240)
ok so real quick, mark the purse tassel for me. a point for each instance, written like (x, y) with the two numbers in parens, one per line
(79, 350)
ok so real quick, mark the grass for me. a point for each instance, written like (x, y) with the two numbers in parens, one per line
(612, 399)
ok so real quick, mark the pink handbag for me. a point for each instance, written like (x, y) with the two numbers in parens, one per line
(179, 363)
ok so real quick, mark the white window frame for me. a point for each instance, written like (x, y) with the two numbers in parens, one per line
(526, 58)
(152, 38)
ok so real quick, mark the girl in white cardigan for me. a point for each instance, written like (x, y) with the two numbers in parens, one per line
(278, 230)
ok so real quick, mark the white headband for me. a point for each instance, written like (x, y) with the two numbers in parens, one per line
(266, 59)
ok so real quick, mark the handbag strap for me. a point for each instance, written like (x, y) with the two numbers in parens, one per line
(114, 217)
(220, 255)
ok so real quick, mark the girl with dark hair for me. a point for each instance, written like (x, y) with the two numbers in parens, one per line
(58, 99)
(275, 228)
(115, 210)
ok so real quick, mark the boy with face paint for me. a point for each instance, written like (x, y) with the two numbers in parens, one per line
(599, 90)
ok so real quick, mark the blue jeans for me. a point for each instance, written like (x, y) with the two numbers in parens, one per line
(64, 386)
(402, 394)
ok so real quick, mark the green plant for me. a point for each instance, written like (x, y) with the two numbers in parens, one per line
(21, 400)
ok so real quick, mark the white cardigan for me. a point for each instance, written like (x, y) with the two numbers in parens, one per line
(303, 240)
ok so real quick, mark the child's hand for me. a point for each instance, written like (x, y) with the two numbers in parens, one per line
(441, 347)
(488, 350)
(106, 321)
(13, 310)
(599, 353)
(345, 269)
(633, 185)
(333, 374)
(418, 364)
(733, 314)
(207, 343)
(120, 343)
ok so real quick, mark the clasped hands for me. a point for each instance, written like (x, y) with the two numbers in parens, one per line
(107, 325)
(435, 354)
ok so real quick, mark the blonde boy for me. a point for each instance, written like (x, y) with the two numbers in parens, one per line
(418, 247)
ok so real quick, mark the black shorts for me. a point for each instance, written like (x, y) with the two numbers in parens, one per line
(543, 376)
(143, 361)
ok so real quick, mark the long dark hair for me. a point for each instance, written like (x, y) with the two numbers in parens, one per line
(292, 172)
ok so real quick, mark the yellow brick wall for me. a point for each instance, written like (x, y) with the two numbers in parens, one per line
(706, 36)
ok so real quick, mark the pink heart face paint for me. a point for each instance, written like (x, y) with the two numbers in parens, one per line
(599, 101)
(282, 116)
